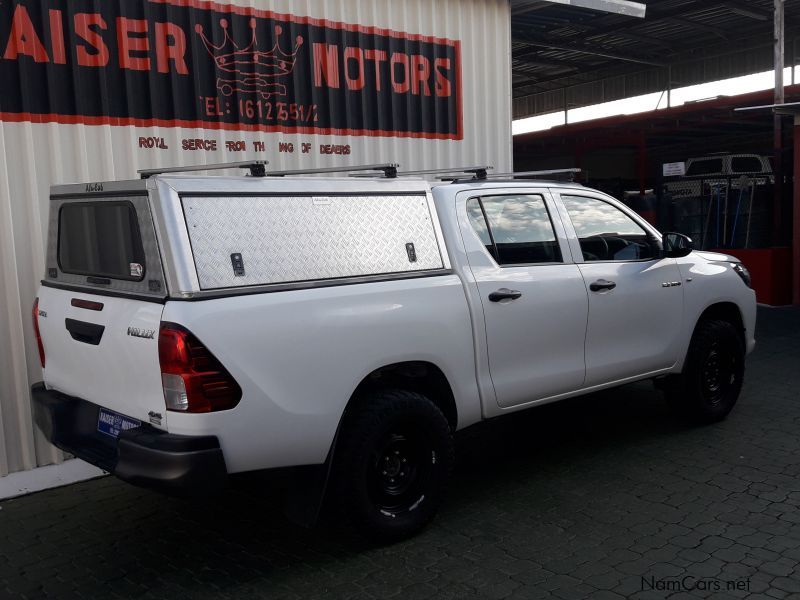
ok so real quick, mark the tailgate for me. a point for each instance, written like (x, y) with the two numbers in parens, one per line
(100, 305)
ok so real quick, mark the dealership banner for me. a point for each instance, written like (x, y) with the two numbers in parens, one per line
(187, 63)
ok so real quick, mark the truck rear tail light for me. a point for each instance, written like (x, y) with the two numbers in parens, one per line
(192, 378)
(36, 331)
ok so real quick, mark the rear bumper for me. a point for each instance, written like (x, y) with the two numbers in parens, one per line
(143, 456)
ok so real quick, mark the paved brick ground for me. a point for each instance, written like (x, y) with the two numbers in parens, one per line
(602, 497)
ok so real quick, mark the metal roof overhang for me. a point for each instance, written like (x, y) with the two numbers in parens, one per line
(620, 7)
(566, 55)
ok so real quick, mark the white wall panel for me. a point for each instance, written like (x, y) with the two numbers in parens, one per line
(34, 156)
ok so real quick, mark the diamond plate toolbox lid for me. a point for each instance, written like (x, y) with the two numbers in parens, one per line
(259, 239)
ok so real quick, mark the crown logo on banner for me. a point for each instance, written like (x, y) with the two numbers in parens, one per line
(248, 69)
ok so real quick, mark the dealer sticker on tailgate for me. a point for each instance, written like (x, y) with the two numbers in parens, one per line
(112, 423)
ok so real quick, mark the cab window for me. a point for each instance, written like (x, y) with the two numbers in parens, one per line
(606, 233)
(516, 229)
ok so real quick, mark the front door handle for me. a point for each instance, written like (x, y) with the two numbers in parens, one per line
(504, 294)
(601, 285)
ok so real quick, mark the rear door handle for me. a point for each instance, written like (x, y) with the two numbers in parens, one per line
(81, 331)
(504, 294)
(602, 284)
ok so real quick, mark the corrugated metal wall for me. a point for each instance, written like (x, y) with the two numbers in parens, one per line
(35, 155)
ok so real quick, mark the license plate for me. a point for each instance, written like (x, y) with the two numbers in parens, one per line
(111, 423)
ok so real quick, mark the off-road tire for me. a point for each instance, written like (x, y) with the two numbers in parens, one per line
(709, 386)
(391, 464)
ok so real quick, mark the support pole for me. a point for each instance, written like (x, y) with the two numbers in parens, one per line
(796, 216)
(641, 164)
(777, 211)
(669, 86)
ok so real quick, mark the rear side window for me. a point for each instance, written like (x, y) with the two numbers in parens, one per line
(711, 166)
(515, 229)
(746, 164)
(100, 239)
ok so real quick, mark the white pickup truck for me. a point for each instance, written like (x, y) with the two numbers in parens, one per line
(195, 327)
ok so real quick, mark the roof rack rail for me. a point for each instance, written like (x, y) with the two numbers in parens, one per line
(257, 168)
(479, 171)
(389, 170)
(535, 174)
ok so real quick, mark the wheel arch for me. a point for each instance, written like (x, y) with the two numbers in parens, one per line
(423, 377)
(724, 311)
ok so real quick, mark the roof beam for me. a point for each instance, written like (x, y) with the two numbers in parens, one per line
(699, 26)
(657, 14)
(746, 44)
(533, 56)
(590, 33)
(744, 10)
(618, 7)
(593, 50)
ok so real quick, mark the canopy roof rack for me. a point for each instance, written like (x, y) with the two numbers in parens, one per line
(549, 173)
(478, 172)
(569, 173)
(257, 168)
(389, 170)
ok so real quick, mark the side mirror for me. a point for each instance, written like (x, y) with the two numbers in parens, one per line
(676, 245)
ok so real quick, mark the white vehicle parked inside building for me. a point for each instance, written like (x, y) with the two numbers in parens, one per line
(194, 327)
(719, 171)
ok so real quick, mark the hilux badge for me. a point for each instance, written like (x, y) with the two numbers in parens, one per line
(147, 334)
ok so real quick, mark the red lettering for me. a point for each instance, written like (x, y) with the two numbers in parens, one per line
(128, 44)
(199, 144)
(166, 51)
(57, 37)
(399, 86)
(421, 70)
(334, 149)
(212, 107)
(443, 86)
(356, 54)
(326, 64)
(23, 38)
(378, 56)
(153, 142)
(84, 23)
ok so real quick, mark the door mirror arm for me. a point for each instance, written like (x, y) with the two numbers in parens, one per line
(676, 245)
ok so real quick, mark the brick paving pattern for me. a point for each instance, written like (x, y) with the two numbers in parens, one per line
(606, 497)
